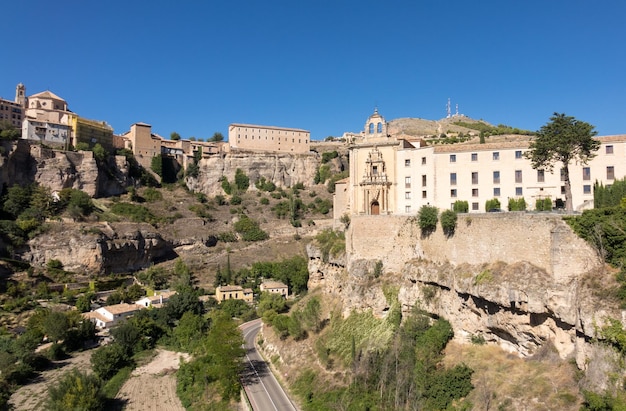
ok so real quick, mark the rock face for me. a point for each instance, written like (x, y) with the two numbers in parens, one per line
(22, 163)
(107, 248)
(283, 169)
(516, 280)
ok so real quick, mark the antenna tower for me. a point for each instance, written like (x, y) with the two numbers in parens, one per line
(448, 109)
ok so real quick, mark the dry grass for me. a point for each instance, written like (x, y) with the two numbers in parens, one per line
(504, 381)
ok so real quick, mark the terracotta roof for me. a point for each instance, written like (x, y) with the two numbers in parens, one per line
(47, 94)
(273, 284)
(226, 288)
(121, 308)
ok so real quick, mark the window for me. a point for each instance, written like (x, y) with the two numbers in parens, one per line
(587, 189)
(474, 156)
(475, 206)
(496, 177)
(519, 191)
(518, 154)
(610, 173)
(562, 189)
(423, 180)
(453, 193)
(407, 182)
(407, 163)
(474, 192)
(475, 177)
(586, 173)
(375, 170)
(407, 209)
(496, 191)
(423, 160)
(407, 195)
(609, 149)
(496, 155)
(453, 158)
(541, 176)
(424, 194)
(518, 176)
(562, 174)
(452, 179)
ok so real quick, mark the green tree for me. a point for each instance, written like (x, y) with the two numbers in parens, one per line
(448, 222)
(156, 164)
(8, 131)
(427, 218)
(460, 206)
(217, 137)
(76, 390)
(563, 140)
(224, 344)
(242, 182)
(108, 359)
(56, 325)
(100, 152)
(174, 136)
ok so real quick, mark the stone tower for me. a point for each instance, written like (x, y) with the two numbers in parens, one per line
(20, 95)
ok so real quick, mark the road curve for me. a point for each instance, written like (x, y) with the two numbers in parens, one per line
(262, 388)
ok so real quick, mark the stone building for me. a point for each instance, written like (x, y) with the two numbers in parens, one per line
(268, 138)
(233, 292)
(12, 111)
(48, 120)
(275, 287)
(393, 175)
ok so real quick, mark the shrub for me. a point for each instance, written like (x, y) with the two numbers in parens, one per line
(517, 204)
(152, 194)
(249, 229)
(76, 391)
(227, 237)
(543, 204)
(235, 199)
(264, 200)
(332, 243)
(448, 222)
(427, 218)
(136, 213)
(493, 204)
(242, 182)
(460, 206)
(326, 157)
(226, 186)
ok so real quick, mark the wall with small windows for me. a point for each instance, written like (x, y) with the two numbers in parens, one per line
(268, 138)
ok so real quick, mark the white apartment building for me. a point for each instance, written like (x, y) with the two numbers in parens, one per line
(389, 175)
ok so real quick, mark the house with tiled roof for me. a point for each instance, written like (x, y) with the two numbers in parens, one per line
(233, 292)
(275, 287)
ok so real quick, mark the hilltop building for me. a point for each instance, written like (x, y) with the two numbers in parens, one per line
(12, 111)
(145, 145)
(268, 138)
(392, 175)
(48, 120)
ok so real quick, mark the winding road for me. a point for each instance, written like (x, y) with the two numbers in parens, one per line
(262, 388)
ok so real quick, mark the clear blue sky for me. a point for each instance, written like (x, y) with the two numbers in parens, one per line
(196, 66)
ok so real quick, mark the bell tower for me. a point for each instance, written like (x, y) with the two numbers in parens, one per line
(20, 95)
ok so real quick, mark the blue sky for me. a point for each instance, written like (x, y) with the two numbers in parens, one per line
(195, 66)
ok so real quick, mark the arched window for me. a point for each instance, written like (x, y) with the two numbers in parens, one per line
(371, 130)
(380, 128)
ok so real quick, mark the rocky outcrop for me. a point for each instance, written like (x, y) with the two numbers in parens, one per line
(283, 169)
(23, 163)
(103, 248)
(513, 279)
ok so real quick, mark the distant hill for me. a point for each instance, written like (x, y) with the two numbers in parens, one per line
(451, 127)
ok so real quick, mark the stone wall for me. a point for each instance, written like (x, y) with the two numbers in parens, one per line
(544, 240)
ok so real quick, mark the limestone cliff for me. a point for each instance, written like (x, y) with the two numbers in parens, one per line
(104, 248)
(23, 163)
(517, 280)
(283, 169)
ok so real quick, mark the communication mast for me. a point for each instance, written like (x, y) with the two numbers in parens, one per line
(448, 109)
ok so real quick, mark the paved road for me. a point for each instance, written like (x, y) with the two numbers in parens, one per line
(264, 392)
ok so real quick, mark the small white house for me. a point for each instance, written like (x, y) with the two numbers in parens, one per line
(275, 287)
(107, 317)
